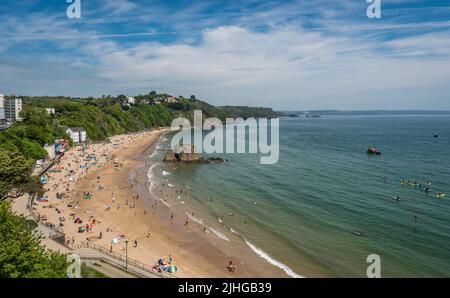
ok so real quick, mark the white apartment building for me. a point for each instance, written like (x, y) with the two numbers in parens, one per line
(2, 108)
(77, 134)
(12, 106)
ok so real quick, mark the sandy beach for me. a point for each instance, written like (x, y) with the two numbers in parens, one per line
(100, 194)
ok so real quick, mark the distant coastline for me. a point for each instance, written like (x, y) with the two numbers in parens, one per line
(318, 113)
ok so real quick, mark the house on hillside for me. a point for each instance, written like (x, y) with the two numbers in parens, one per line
(77, 134)
(171, 99)
(131, 100)
(50, 111)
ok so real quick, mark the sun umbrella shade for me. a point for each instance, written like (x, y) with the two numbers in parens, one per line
(170, 268)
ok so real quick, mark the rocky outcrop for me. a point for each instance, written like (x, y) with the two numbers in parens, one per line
(193, 157)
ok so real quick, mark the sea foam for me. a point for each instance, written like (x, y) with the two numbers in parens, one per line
(266, 257)
(219, 234)
(193, 218)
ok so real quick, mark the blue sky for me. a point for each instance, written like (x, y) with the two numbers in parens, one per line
(295, 54)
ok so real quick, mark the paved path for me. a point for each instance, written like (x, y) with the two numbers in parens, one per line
(108, 269)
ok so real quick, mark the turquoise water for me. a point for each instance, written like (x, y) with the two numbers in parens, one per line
(301, 211)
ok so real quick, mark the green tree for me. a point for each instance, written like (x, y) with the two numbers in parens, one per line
(15, 178)
(36, 116)
(21, 254)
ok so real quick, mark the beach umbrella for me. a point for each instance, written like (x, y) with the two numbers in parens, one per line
(170, 268)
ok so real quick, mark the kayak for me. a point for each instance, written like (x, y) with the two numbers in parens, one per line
(441, 196)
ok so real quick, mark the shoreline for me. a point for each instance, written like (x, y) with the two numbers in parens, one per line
(125, 207)
(178, 196)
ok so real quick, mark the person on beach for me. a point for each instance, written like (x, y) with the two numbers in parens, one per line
(231, 267)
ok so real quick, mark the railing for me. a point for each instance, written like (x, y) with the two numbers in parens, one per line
(131, 261)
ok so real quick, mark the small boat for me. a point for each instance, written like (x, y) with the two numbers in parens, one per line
(435, 135)
(373, 151)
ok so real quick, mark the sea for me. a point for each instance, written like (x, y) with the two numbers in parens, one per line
(327, 205)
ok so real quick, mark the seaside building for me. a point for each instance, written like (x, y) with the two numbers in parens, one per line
(13, 107)
(77, 134)
(50, 150)
(61, 146)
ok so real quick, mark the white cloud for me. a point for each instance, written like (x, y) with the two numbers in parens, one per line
(117, 7)
(232, 64)
(283, 67)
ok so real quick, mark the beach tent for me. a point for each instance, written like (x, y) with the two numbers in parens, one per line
(170, 268)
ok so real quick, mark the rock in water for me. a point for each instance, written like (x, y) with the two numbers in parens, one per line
(183, 156)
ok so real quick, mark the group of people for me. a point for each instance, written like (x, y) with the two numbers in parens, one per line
(425, 187)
